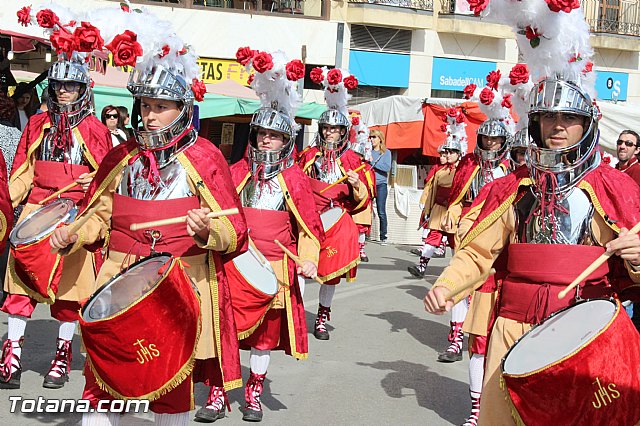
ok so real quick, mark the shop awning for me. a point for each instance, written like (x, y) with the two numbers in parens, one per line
(21, 43)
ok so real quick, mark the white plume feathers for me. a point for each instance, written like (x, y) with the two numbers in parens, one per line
(273, 87)
(494, 99)
(553, 44)
(360, 142)
(336, 83)
(455, 126)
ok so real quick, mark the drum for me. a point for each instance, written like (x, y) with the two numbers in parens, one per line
(253, 285)
(36, 269)
(580, 366)
(140, 329)
(339, 251)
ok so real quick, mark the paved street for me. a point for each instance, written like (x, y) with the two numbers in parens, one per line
(378, 368)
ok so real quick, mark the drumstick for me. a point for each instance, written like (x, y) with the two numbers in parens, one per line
(260, 256)
(472, 285)
(595, 265)
(343, 178)
(63, 190)
(295, 258)
(179, 219)
(77, 224)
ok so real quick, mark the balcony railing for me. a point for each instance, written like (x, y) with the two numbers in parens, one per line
(613, 16)
(409, 4)
(302, 8)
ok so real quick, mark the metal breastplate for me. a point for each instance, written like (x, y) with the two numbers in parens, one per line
(49, 152)
(572, 223)
(481, 179)
(329, 176)
(172, 183)
(263, 195)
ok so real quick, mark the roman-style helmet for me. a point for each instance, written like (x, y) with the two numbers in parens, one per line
(74, 40)
(553, 39)
(336, 82)
(359, 137)
(163, 67)
(274, 79)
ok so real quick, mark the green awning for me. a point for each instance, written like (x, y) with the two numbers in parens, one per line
(213, 105)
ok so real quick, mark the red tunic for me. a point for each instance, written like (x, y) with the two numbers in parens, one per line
(632, 169)
(259, 325)
(207, 168)
(6, 209)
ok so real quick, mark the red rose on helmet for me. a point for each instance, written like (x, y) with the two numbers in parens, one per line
(263, 62)
(519, 74)
(468, 90)
(460, 119)
(24, 16)
(506, 101)
(588, 68)
(486, 96)
(88, 37)
(63, 42)
(244, 55)
(250, 79)
(563, 5)
(165, 51)
(334, 76)
(295, 70)
(478, 6)
(493, 79)
(125, 49)
(443, 127)
(199, 89)
(355, 121)
(452, 112)
(316, 75)
(47, 19)
(350, 82)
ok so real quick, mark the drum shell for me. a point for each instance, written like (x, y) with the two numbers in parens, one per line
(596, 384)
(339, 251)
(149, 348)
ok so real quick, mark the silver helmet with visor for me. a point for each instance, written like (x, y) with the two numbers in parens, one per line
(69, 75)
(334, 118)
(569, 164)
(492, 128)
(266, 164)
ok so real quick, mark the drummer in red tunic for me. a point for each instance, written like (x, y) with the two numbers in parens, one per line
(166, 171)
(553, 217)
(274, 194)
(57, 148)
(325, 163)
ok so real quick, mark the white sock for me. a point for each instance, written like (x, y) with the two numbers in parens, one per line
(178, 419)
(428, 250)
(362, 238)
(301, 284)
(425, 232)
(259, 361)
(476, 374)
(459, 310)
(67, 330)
(17, 325)
(100, 419)
(326, 295)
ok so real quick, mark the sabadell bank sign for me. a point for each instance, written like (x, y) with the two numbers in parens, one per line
(455, 74)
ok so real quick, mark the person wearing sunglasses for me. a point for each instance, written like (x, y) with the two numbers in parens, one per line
(113, 119)
(627, 150)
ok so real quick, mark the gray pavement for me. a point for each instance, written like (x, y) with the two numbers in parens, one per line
(378, 368)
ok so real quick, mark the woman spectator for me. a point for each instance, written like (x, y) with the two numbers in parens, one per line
(27, 103)
(381, 164)
(114, 120)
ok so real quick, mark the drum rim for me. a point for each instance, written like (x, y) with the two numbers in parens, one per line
(94, 295)
(617, 311)
(71, 213)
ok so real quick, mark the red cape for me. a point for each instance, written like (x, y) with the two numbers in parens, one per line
(93, 134)
(347, 161)
(297, 188)
(208, 169)
(6, 209)
(466, 170)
